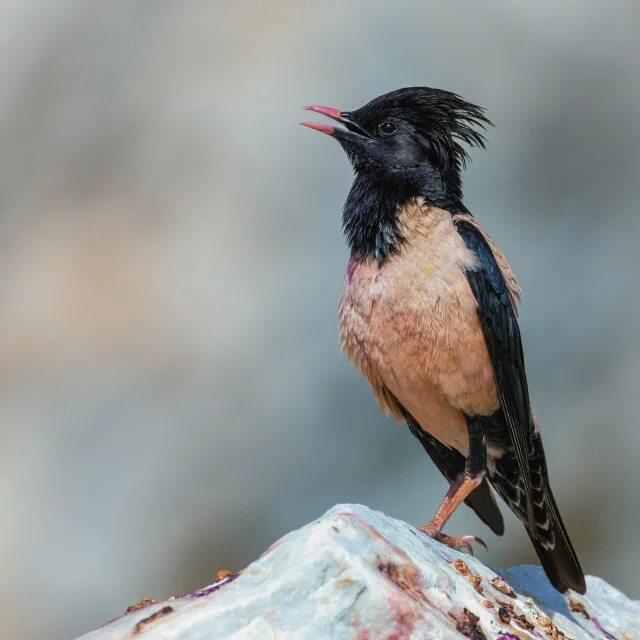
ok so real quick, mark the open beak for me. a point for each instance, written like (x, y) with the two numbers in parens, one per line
(351, 131)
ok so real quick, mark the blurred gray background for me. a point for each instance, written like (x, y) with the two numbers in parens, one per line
(172, 395)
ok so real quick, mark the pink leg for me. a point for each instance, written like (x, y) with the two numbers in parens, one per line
(456, 495)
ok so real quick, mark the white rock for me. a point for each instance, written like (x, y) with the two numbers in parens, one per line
(356, 573)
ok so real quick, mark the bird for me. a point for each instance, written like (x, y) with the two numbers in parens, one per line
(429, 315)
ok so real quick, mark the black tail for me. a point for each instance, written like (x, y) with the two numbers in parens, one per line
(549, 536)
(552, 544)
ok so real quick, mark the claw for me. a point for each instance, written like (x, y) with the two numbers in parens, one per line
(459, 543)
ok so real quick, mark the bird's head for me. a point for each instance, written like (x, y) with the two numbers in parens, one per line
(404, 144)
(408, 136)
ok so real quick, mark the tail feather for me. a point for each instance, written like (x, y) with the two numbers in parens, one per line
(548, 535)
(556, 553)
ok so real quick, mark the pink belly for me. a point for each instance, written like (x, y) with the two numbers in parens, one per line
(411, 327)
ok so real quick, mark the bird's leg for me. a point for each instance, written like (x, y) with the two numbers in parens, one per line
(464, 484)
(457, 493)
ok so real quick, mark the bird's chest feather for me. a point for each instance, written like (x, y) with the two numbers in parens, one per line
(411, 327)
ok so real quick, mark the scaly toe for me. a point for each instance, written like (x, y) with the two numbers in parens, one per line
(459, 543)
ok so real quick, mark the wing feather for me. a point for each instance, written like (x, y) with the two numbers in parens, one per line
(502, 334)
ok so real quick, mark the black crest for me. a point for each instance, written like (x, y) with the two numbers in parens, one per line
(442, 121)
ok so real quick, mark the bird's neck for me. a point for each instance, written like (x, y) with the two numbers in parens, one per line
(370, 214)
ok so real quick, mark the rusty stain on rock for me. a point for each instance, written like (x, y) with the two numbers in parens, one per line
(578, 607)
(223, 574)
(468, 624)
(144, 602)
(522, 622)
(461, 567)
(405, 576)
(475, 582)
(505, 614)
(548, 626)
(141, 625)
(503, 587)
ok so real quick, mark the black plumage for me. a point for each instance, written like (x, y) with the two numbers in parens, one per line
(369, 214)
(502, 334)
(520, 475)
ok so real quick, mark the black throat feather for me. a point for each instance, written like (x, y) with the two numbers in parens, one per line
(370, 214)
(425, 158)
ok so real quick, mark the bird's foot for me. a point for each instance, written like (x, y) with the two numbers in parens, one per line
(459, 543)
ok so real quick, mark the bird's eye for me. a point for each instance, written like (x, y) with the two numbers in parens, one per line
(386, 128)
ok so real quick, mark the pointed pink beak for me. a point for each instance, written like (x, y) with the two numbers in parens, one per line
(351, 131)
(331, 112)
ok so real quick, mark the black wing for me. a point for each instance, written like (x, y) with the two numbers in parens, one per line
(520, 475)
(502, 334)
(451, 465)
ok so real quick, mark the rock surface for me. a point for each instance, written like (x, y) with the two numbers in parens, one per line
(356, 573)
